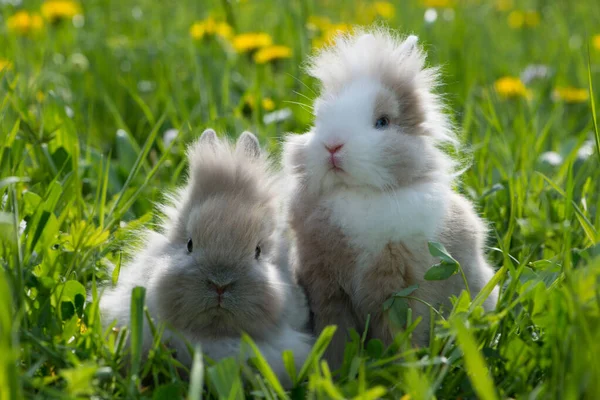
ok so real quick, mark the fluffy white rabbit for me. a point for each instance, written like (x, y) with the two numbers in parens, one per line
(217, 267)
(371, 187)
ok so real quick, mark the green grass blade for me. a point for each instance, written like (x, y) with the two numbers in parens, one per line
(263, 367)
(9, 377)
(136, 336)
(138, 162)
(585, 223)
(318, 350)
(593, 104)
(474, 364)
(196, 375)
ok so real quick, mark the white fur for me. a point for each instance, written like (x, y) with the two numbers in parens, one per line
(372, 219)
(349, 122)
(368, 53)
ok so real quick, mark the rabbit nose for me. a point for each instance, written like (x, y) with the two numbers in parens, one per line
(334, 148)
(219, 288)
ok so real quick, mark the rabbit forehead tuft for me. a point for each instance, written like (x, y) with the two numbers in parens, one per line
(230, 226)
(398, 63)
(217, 168)
(374, 53)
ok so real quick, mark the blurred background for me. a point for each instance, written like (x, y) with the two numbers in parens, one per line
(124, 81)
(230, 63)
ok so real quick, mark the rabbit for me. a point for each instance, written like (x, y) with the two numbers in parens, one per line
(216, 270)
(370, 187)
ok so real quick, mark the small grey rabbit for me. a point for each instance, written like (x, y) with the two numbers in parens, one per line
(219, 266)
(371, 187)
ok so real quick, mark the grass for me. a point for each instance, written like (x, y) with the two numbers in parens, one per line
(86, 105)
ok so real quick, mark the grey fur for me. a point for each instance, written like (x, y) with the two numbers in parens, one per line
(229, 206)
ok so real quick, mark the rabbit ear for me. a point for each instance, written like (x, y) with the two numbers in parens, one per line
(209, 136)
(248, 143)
(207, 142)
(409, 44)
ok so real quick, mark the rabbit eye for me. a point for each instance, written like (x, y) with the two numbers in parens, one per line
(190, 245)
(382, 122)
(257, 252)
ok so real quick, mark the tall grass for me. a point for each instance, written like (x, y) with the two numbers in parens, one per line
(86, 106)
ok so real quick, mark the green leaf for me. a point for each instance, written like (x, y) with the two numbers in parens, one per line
(60, 157)
(441, 271)
(388, 303)
(438, 250)
(406, 291)
(79, 379)
(79, 302)
(71, 289)
(67, 310)
(447, 267)
(398, 313)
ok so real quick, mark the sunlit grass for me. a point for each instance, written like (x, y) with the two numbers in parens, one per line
(98, 100)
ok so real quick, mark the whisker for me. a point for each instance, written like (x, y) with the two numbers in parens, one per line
(306, 107)
(303, 95)
(302, 83)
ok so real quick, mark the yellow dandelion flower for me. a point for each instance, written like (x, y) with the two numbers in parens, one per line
(437, 3)
(40, 96)
(532, 18)
(251, 41)
(510, 87)
(82, 326)
(328, 37)
(385, 9)
(5, 65)
(57, 10)
(504, 5)
(272, 53)
(570, 94)
(318, 23)
(249, 104)
(25, 23)
(596, 42)
(224, 30)
(197, 30)
(210, 27)
(406, 397)
(268, 104)
(516, 19)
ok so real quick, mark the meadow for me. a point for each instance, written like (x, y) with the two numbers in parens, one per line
(99, 98)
